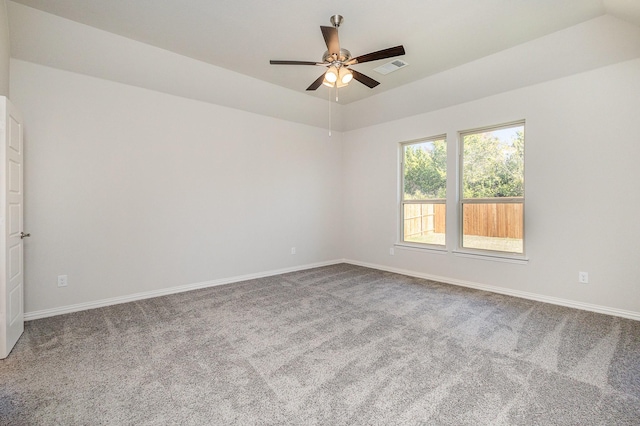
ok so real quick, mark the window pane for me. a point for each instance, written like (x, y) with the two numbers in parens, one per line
(425, 223)
(493, 226)
(425, 170)
(494, 163)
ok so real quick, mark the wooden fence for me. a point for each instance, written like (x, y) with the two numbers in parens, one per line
(487, 220)
(420, 219)
(494, 220)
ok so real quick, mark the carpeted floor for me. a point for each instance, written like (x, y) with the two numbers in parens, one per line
(335, 345)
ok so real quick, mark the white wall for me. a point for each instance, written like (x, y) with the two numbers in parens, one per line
(4, 49)
(582, 195)
(130, 190)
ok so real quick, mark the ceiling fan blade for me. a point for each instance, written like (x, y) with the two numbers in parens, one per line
(330, 35)
(367, 81)
(316, 83)
(380, 54)
(294, 63)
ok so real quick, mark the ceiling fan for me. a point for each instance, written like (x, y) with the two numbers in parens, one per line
(338, 60)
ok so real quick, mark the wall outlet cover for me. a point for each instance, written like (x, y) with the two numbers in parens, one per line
(63, 280)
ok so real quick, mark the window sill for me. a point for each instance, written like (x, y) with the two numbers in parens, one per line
(492, 257)
(423, 248)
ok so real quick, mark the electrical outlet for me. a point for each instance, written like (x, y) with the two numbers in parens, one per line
(392, 251)
(63, 280)
(293, 250)
(583, 277)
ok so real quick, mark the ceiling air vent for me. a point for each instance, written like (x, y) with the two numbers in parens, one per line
(391, 67)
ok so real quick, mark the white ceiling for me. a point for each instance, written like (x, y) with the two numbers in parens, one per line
(242, 35)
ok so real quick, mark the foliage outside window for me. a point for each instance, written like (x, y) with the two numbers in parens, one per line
(424, 185)
(492, 201)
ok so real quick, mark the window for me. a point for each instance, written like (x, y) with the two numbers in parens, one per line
(492, 188)
(424, 185)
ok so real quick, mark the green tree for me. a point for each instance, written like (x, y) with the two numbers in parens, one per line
(425, 170)
(493, 167)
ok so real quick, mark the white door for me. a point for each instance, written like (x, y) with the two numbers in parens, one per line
(11, 230)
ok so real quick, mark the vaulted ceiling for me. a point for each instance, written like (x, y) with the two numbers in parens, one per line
(243, 35)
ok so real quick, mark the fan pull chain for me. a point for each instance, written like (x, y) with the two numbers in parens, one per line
(330, 115)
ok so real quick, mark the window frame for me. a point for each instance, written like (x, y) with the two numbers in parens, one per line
(403, 202)
(498, 200)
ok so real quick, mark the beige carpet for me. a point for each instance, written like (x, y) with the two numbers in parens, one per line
(335, 345)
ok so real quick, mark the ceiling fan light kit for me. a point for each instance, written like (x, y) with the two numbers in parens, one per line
(345, 75)
(340, 84)
(338, 60)
(332, 74)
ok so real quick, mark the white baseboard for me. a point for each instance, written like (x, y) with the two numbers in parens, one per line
(501, 290)
(28, 316)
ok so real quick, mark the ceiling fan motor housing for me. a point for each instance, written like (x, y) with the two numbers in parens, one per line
(345, 55)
